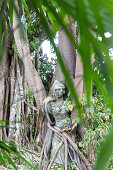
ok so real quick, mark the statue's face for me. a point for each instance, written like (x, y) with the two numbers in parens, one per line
(58, 92)
(57, 89)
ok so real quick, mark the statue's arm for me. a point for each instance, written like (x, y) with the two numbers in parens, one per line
(49, 114)
(47, 110)
(45, 104)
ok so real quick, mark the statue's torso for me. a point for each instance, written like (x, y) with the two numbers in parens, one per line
(59, 110)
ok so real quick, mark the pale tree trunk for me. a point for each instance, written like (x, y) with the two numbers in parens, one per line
(19, 109)
(78, 81)
(16, 102)
(36, 121)
(14, 96)
(68, 53)
(79, 85)
(3, 71)
(13, 90)
(31, 74)
(25, 114)
(6, 97)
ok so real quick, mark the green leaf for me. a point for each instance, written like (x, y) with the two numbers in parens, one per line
(60, 19)
(22, 158)
(14, 151)
(2, 122)
(9, 159)
(108, 5)
(19, 2)
(26, 8)
(2, 161)
(97, 16)
(56, 27)
(11, 11)
(84, 50)
(3, 147)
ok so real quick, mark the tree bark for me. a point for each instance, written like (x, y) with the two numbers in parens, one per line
(3, 71)
(68, 52)
(31, 74)
(16, 102)
(78, 81)
(33, 79)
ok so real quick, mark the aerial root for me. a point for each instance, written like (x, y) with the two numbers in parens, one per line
(66, 140)
(55, 154)
(66, 152)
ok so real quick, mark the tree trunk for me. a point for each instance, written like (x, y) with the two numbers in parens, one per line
(78, 81)
(3, 73)
(16, 101)
(68, 53)
(79, 85)
(31, 74)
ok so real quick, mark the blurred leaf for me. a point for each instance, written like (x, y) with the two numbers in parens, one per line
(19, 2)
(2, 161)
(26, 8)
(11, 11)
(97, 16)
(60, 19)
(108, 5)
(9, 159)
(86, 60)
(2, 122)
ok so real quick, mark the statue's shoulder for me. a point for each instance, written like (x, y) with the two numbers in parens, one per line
(47, 99)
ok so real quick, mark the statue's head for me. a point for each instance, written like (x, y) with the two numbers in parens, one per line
(58, 89)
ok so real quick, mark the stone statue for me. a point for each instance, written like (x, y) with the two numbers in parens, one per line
(55, 108)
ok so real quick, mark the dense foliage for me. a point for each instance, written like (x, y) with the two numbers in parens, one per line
(98, 120)
(46, 71)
